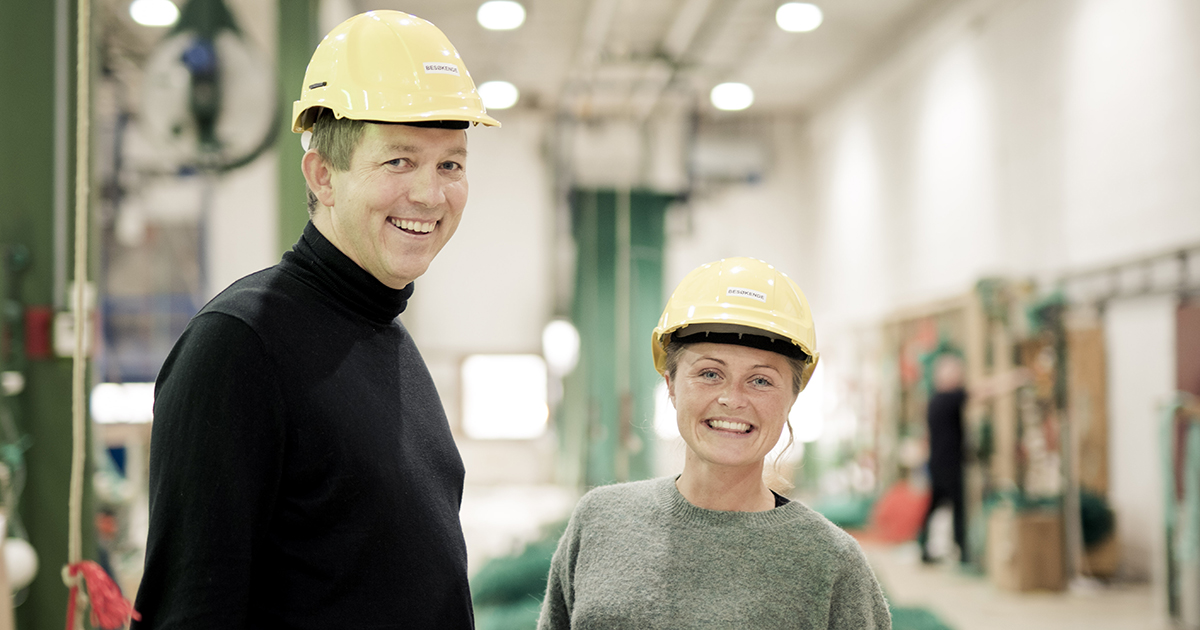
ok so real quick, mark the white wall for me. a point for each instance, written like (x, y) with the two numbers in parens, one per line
(1139, 337)
(243, 222)
(1023, 137)
(1132, 133)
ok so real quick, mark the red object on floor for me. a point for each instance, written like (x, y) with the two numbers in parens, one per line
(899, 513)
(110, 610)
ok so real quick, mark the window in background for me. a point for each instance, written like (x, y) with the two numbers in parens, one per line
(504, 396)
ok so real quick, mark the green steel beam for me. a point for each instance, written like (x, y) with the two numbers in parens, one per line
(29, 38)
(607, 425)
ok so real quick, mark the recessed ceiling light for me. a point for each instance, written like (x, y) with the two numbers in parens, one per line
(154, 12)
(732, 97)
(500, 15)
(498, 94)
(798, 17)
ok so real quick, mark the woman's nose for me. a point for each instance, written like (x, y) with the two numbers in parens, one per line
(732, 396)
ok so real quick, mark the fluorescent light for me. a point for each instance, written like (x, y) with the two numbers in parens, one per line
(498, 94)
(154, 12)
(732, 97)
(798, 17)
(504, 396)
(500, 15)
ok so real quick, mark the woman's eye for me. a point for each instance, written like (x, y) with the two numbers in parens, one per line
(708, 374)
(762, 382)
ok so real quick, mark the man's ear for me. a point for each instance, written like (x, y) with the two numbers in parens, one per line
(319, 177)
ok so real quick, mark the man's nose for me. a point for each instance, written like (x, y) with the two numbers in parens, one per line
(425, 187)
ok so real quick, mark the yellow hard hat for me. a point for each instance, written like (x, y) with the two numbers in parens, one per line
(733, 297)
(388, 66)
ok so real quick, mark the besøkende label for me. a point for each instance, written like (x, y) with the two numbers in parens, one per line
(440, 68)
(746, 293)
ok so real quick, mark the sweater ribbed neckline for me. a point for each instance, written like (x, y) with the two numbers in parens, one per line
(681, 509)
(320, 263)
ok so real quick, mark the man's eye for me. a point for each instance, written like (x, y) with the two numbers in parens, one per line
(452, 166)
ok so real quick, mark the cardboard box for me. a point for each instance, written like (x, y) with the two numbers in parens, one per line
(1025, 550)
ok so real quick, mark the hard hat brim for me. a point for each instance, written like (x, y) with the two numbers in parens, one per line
(302, 118)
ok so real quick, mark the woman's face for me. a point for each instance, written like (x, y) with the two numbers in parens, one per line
(732, 402)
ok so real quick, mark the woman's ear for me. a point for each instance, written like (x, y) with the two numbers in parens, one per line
(670, 389)
(319, 177)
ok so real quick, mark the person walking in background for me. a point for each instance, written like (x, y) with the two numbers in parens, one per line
(302, 471)
(944, 415)
(715, 547)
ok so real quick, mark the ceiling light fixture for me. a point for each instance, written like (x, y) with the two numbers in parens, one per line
(154, 12)
(499, 94)
(500, 15)
(798, 17)
(732, 97)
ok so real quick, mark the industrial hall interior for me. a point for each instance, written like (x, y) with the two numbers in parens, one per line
(989, 212)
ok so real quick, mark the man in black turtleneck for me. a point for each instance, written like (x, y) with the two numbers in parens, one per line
(302, 471)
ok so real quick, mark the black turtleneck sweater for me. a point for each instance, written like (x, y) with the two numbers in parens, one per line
(302, 472)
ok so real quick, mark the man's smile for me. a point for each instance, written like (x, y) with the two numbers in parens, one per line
(412, 226)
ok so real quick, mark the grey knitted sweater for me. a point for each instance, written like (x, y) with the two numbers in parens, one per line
(640, 556)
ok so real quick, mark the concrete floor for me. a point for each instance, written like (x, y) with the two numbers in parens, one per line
(971, 602)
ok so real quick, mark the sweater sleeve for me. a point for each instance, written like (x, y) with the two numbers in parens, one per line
(216, 457)
(560, 585)
(857, 601)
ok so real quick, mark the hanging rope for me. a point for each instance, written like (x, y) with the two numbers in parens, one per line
(109, 608)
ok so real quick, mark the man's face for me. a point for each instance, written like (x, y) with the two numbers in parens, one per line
(399, 202)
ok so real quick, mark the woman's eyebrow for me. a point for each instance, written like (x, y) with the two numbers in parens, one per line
(753, 367)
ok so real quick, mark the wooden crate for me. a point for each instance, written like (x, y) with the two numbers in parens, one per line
(1025, 550)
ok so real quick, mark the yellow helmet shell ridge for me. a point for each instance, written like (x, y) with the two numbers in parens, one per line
(388, 66)
(743, 295)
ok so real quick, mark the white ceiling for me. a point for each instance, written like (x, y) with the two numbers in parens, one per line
(632, 58)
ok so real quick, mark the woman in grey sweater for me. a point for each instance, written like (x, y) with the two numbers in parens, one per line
(714, 547)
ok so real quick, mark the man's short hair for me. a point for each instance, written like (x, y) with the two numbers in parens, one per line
(335, 140)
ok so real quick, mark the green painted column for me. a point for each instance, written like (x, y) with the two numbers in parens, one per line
(607, 427)
(34, 44)
(298, 38)
(647, 237)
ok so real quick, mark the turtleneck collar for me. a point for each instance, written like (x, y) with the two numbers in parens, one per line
(319, 263)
